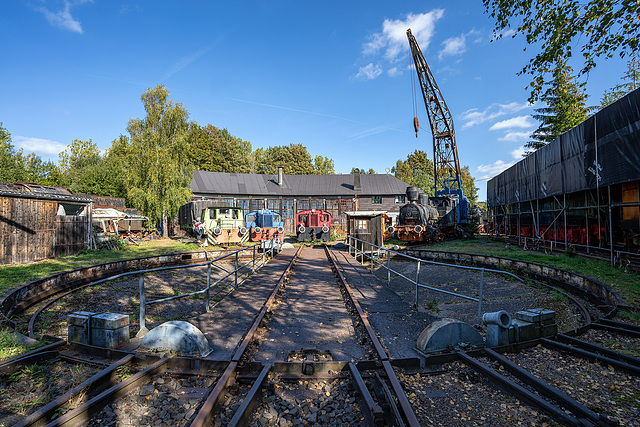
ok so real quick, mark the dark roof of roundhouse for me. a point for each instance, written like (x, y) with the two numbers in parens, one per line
(222, 183)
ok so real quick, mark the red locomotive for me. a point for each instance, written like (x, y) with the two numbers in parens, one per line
(313, 225)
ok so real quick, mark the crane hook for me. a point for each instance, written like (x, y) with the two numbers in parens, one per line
(416, 126)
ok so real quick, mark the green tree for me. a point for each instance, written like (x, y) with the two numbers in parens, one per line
(362, 171)
(157, 157)
(565, 107)
(631, 82)
(416, 170)
(15, 166)
(323, 165)
(599, 28)
(294, 158)
(216, 150)
(469, 188)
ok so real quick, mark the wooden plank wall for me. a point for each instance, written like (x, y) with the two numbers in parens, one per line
(30, 229)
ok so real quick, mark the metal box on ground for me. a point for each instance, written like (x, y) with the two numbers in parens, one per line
(109, 330)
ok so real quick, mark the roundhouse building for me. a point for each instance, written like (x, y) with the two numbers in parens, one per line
(288, 194)
(580, 190)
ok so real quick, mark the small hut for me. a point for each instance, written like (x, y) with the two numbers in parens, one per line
(37, 222)
(367, 226)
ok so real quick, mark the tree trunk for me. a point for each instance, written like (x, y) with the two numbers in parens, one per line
(165, 225)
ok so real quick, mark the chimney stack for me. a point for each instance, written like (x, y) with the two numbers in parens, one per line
(356, 180)
(280, 175)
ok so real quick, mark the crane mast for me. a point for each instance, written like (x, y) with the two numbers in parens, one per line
(445, 152)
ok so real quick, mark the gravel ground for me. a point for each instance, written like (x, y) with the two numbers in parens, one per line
(601, 388)
(617, 342)
(34, 386)
(499, 293)
(122, 297)
(309, 402)
(164, 401)
(461, 397)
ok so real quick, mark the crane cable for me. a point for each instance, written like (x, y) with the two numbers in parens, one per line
(413, 96)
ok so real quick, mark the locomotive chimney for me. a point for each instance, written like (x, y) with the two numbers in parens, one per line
(412, 194)
(280, 175)
(356, 179)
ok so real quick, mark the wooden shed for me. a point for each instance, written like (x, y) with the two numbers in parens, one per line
(367, 226)
(38, 222)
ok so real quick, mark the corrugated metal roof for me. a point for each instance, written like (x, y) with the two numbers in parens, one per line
(294, 185)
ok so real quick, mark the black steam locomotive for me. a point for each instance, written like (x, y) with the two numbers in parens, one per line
(427, 219)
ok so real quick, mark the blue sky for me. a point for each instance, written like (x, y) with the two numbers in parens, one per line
(333, 76)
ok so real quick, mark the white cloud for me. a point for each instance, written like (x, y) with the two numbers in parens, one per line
(518, 153)
(369, 72)
(393, 38)
(514, 136)
(62, 18)
(475, 117)
(453, 46)
(514, 122)
(485, 172)
(42, 147)
(394, 71)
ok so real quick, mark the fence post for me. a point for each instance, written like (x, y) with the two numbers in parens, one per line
(253, 266)
(236, 271)
(143, 310)
(480, 299)
(388, 265)
(417, 281)
(208, 286)
(371, 257)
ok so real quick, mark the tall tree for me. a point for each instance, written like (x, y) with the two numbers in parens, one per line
(469, 188)
(416, 170)
(158, 157)
(294, 158)
(323, 165)
(565, 107)
(216, 150)
(599, 28)
(631, 82)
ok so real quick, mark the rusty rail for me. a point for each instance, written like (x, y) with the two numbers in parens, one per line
(407, 410)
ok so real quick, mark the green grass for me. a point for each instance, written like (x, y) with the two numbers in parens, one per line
(12, 276)
(9, 345)
(627, 283)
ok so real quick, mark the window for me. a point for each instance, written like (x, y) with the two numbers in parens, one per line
(399, 200)
(257, 204)
(71, 210)
(376, 200)
(303, 205)
(360, 226)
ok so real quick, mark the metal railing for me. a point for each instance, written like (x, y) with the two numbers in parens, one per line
(141, 273)
(378, 252)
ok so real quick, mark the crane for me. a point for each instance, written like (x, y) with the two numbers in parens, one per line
(448, 181)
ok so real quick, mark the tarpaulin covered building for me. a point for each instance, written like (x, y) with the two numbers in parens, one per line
(581, 189)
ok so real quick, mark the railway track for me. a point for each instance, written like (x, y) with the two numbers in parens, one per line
(312, 354)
